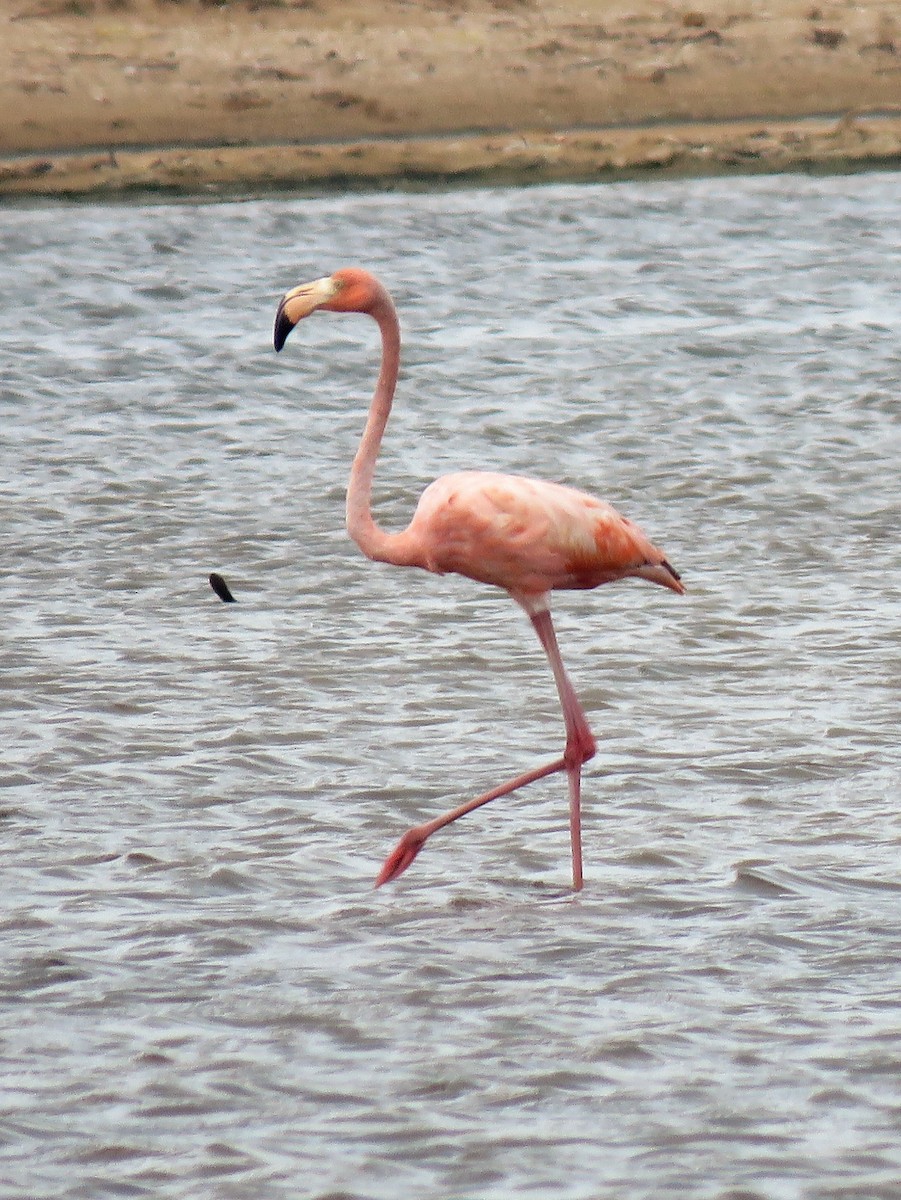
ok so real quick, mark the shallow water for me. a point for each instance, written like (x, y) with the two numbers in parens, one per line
(202, 996)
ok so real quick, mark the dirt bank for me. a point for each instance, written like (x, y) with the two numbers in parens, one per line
(115, 94)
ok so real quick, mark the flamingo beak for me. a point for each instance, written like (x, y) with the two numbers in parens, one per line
(299, 303)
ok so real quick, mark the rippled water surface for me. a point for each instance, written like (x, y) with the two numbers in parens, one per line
(201, 994)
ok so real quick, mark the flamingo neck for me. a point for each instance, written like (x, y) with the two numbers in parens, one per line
(373, 541)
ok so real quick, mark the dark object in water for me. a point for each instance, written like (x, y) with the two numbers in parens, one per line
(221, 588)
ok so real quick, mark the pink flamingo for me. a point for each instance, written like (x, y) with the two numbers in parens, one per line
(521, 534)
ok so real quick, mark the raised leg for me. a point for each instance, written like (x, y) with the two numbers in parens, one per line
(580, 747)
(414, 839)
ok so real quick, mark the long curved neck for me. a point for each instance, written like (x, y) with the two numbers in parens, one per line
(373, 541)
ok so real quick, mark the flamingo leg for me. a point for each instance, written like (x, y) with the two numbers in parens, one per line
(414, 839)
(580, 743)
(580, 746)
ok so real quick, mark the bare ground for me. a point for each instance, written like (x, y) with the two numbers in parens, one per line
(105, 95)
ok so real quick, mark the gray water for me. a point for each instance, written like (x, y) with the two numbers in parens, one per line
(201, 993)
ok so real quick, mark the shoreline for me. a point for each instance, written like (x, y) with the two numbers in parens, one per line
(606, 153)
(181, 98)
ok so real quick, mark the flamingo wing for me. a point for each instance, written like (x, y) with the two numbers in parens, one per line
(529, 536)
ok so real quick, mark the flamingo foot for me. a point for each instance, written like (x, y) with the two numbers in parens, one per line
(403, 854)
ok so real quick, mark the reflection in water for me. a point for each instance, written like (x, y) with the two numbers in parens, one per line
(203, 995)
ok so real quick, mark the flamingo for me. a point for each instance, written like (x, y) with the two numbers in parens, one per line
(521, 534)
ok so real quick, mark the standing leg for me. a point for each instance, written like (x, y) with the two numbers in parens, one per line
(580, 746)
(580, 743)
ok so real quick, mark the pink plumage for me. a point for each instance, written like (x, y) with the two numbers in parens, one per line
(525, 535)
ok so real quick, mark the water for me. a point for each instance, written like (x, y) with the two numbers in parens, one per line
(202, 996)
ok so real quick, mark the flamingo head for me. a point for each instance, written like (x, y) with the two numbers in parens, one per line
(348, 290)
(402, 855)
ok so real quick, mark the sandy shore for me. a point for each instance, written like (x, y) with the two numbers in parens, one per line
(107, 95)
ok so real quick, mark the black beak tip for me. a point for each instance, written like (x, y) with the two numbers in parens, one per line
(283, 327)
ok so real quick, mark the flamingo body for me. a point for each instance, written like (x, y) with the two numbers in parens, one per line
(525, 535)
